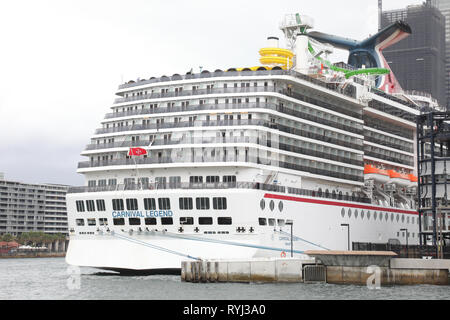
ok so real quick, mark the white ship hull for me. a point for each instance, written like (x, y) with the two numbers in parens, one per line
(316, 225)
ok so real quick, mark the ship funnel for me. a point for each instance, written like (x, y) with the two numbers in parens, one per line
(273, 42)
(302, 53)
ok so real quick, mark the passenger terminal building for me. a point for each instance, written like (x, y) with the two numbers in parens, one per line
(32, 207)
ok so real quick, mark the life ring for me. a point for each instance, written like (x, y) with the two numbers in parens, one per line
(283, 254)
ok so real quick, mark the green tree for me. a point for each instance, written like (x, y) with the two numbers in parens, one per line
(8, 237)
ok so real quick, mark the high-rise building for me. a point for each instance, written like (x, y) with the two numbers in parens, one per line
(32, 207)
(444, 7)
(419, 61)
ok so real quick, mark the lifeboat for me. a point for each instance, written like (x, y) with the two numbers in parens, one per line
(400, 179)
(413, 180)
(373, 173)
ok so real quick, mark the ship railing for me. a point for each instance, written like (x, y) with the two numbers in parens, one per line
(349, 91)
(378, 105)
(196, 92)
(355, 197)
(298, 96)
(389, 158)
(222, 159)
(231, 106)
(244, 122)
(385, 143)
(389, 129)
(179, 185)
(221, 140)
(392, 98)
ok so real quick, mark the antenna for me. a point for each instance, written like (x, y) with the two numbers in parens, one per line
(380, 13)
(293, 24)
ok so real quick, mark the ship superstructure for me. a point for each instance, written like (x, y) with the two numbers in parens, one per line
(234, 156)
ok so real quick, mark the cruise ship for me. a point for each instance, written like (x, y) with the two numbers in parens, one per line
(227, 164)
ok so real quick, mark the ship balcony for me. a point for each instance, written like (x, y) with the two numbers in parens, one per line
(231, 160)
(234, 106)
(355, 197)
(232, 140)
(407, 147)
(349, 91)
(240, 90)
(393, 111)
(380, 156)
(224, 123)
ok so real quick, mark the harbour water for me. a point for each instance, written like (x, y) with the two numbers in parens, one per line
(53, 279)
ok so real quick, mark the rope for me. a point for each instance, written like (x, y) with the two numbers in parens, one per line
(298, 238)
(152, 246)
(231, 243)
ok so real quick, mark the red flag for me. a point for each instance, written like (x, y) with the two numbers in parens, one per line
(137, 152)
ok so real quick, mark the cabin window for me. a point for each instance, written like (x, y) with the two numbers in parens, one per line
(272, 222)
(272, 205)
(164, 203)
(186, 221)
(91, 222)
(202, 203)
(80, 205)
(196, 179)
(212, 179)
(80, 222)
(262, 221)
(205, 220)
(118, 221)
(103, 221)
(229, 179)
(118, 205)
(149, 204)
(134, 221)
(186, 203)
(150, 221)
(166, 221)
(132, 204)
(90, 205)
(101, 205)
(224, 221)
(220, 203)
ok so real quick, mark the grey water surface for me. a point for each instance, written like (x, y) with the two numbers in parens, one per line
(53, 279)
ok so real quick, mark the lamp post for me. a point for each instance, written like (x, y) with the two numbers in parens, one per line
(406, 230)
(348, 234)
(291, 223)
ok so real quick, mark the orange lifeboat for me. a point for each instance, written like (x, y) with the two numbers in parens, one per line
(401, 179)
(373, 173)
(413, 180)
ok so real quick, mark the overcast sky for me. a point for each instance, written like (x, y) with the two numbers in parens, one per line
(61, 62)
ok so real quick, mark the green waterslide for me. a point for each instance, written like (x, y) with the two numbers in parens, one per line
(348, 73)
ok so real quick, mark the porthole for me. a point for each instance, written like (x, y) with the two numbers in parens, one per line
(272, 205)
(407, 220)
(362, 214)
(343, 212)
(375, 215)
(262, 204)
(349, 213)
(280, 206)
(356, 213)
(368, 215)
(392, 217)
(397, 218)
(403, 218)
(386, 216)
